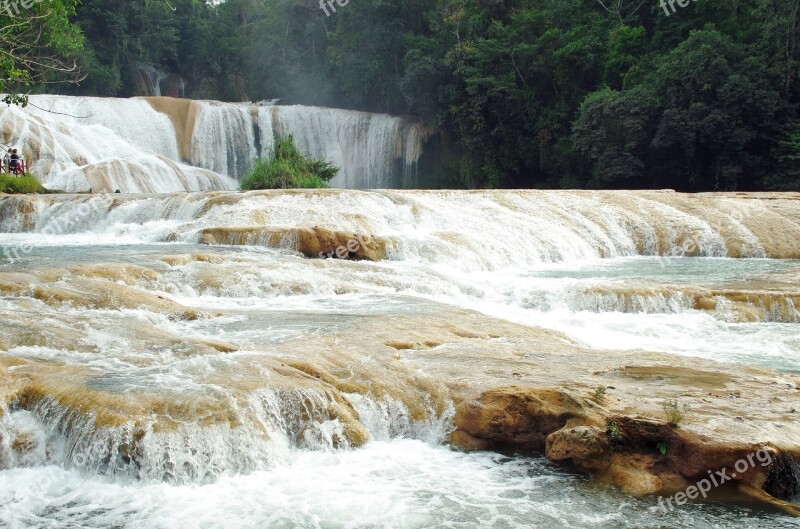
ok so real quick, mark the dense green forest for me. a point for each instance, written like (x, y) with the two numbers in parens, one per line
(522, 93)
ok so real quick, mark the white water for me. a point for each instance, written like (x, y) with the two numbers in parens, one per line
(224, 138)
(406, 484)
(543, 259)
(78, 143)
(372, 150)
(469, 232)
(529, 258)
(150, 81)
(376, 151)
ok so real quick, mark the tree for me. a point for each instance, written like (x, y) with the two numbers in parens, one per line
(33, 44)
(522, 93)
(614, 130)
(720, 113)
(123, 37)
(787, 156)
(520, 81)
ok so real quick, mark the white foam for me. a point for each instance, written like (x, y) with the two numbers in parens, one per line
(399, 485)
(78, 143)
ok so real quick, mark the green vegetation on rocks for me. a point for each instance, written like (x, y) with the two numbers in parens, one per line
(25, 185)
(287, 168)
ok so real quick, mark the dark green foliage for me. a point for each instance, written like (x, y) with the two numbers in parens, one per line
(287, 168)
(613, 131)
(787, 155)
(718, 113)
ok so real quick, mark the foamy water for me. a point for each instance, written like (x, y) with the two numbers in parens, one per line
(397, 484)
(162, 145)
(234, 443)
(562, 298)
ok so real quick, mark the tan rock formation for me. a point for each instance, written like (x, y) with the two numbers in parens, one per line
(182, 113)
(312, 242)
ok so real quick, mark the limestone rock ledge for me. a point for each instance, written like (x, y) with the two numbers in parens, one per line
(515, 388)
(314, 242)
(641, 456)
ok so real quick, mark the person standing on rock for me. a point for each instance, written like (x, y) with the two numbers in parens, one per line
(13, 163)
(22, 164)
(17, 163)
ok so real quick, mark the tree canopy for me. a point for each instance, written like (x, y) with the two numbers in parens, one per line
(524, 93)
(35, 38)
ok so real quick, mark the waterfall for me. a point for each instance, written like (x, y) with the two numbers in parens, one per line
(156, 145)
(467, 231)
(224, 138)
(76, 144)
(188, 438)
(374, 150)
(151, 81)
(183, 342)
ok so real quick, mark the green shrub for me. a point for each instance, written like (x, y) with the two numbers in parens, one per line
(599, 394)
(674, 412)
(613, 433)
(287, 168)
(25, 184)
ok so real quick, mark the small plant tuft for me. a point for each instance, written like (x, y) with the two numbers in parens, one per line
(599, 395)
(674, 412)
(613, 433)
(287, 168)
(662, 448)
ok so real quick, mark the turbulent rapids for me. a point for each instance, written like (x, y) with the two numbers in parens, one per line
(157, 145)
(202, 353)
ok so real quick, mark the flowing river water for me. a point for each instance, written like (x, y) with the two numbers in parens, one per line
(169, 382)
(160, 144)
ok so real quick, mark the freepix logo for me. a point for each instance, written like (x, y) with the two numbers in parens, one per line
(715, 479)
(670, 4)
(328, 5)
(59, 225)
(12, 7)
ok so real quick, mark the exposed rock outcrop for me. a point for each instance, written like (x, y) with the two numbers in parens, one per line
(514, 388)
(639, 455)
(312, 242)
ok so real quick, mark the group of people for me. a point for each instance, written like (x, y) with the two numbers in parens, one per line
(13, 163)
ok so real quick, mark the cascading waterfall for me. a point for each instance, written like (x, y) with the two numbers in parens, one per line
(373, 150)
(154, 145)
(151, 81)
(78, 144)
(190, 356)
(268, 426)
(512, 232)
(467, 231)
(224, 138)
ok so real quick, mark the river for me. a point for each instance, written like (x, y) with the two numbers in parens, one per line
(163, 382)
